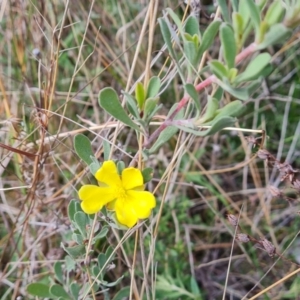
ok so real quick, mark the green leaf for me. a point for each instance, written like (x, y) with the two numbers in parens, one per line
(190, 51)
(224, 9)
(167, 36)
(232, 74)
(102, 233)
(81, 222)
(58, 271)
(192, 26)
(109, 101)
(209, 37)
(70, 263)
(277, 33)
(228, 44)
(147, 174)
(175, 18)
(58, 291)
(168, 132)
(101, 260)
(212, 106)
(122, 293)
(254, 14)
(254, 68)
(106, 150)
(190, 89)
(39, 290)
(239, 93)
(83, 148)
(114, 283)
(232, 109)
(140, 95)
(95, 165)
(108, 252)
(216, 126)
(244, 11)
(153, 87)
(164, 136)
(150, 105)
(274, 13)
(75, 251)
(194, 286)
(218, 69)
(75, 289)
(72, 209)
(238, 28)
(120, 166)
(131, 105)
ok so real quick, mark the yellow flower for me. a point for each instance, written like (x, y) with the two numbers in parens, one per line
(124, 194)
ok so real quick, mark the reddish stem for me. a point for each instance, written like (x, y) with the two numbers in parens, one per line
(199, 87)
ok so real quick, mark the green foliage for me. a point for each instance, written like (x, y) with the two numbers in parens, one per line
(109, 101)
(228, 44)
(83, 148)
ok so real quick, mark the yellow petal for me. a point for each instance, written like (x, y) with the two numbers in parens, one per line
(132, 178)
(108, 174)
(142, 201)
(125, 213)
(94, 197)
(137, 205)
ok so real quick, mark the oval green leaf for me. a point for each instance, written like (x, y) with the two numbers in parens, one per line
(39, 290)
(83, 148)
(109, 101)
(58, 291)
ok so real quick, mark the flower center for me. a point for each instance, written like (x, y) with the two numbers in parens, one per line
(120, 192)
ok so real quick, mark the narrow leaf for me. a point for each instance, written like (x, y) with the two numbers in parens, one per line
(83, 148)
(254, 14)
(216, 126)
(275, 13)
(140, 95)
(165, 30)
(212, 106)
(72, 210)
(190, 51)
(190, 89)
(239, 93)
(277, 33)
(164, 136)
(232, 109)
(224, 9)
(209, 36)
(58, 271)
(109, 101)
(228, 44)
(153, 87)
(218, 69)
(131, 105)
(254, 68)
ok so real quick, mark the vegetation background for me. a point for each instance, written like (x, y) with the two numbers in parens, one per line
(58, 55)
